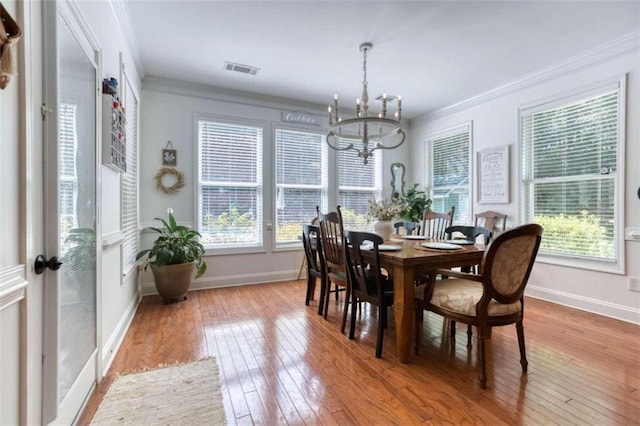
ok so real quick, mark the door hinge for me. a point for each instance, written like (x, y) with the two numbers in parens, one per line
(44, 110)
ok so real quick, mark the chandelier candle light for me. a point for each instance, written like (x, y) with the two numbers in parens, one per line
(383, 132)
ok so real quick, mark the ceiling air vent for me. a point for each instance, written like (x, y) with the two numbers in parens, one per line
(244, 69)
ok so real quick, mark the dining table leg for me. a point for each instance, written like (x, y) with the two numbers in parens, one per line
(404, 309)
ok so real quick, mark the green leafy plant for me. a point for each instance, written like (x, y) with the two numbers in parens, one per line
(414, 204)
(176, 244)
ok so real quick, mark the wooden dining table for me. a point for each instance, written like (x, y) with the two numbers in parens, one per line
(405, 266)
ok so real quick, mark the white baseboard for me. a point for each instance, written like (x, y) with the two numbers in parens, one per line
(148, 287)
(623, 313)
(110, 349)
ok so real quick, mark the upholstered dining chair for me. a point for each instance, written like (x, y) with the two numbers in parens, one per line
(498, 301)
(314, 264)
(434, 224)
(368, 283)
(493, 221)
(409, 227)
(333, 247)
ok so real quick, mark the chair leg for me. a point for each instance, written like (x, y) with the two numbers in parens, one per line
(337, 289)
(323, 290)
(327, 295)
(417, 328)
(482, 355)
(469, 335)
(382, 318)
(311, 288)
(453, 328)
(347, 296)
(352, 326)
(523, 353)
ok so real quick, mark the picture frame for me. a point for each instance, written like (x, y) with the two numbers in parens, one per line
(169, 157)
(493, 175)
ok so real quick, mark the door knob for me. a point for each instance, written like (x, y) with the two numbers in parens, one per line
(42, 263)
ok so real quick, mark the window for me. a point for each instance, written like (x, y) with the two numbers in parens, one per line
(129, 182)
(570, 152)
(448, 169)
(229, 184)
(357, 185)
(301, 181)
(68, 185)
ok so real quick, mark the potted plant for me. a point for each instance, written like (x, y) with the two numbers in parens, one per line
(173, 257)
(384, 211)
(414, 202)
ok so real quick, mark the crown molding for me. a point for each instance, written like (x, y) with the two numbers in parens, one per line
(601, 53)
(218, 93)
(122, 17)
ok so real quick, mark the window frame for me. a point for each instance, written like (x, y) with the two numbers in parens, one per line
(324, 187)
(429, 166)
(377, 189)
(616, 266)
(260, 186)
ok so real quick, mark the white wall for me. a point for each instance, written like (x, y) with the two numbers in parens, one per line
(168, 113)
(495, 122)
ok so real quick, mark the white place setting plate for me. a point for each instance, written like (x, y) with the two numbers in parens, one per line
(441, 246)
(460, 242)
(415, 237)
(381, 247)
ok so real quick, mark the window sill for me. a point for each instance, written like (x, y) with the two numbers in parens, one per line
(611, 267)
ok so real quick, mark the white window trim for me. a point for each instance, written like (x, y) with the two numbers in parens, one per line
(231, 249)
(450, 131)
(619, 82)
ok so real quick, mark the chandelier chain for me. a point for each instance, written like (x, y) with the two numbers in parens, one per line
(364, 67)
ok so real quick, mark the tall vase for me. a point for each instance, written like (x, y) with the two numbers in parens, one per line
(384, 228)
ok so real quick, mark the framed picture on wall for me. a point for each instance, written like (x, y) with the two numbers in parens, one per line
(493, 175)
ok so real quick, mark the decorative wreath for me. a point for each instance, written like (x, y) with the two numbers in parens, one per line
(179, 183)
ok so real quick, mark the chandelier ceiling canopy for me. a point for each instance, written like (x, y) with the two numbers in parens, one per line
(367, 131)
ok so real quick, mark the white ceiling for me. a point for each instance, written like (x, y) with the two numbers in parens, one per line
(433, 53)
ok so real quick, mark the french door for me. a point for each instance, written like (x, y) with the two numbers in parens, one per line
(69, 264)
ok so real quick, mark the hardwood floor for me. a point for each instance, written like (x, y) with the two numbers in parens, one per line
(281, 363)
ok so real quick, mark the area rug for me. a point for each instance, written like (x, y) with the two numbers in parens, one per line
(186, 394)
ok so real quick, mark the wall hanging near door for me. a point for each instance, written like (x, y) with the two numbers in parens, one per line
(10, 33)
(169, 171)
(169, 155)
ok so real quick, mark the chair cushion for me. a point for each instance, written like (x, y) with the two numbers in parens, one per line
(461, 296)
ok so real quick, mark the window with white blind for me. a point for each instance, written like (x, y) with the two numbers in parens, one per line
(570, 172)
(358, 184)
(229, 184)
(301, 181)
(68, 185)
(448, 168)
(129, 180)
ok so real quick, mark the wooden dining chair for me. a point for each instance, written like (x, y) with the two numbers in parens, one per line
(470, 233)
(333, 247)
(498, 301)
(493, 221)
(409, 227)
(434, 224)
(367, 281)
(314, 264)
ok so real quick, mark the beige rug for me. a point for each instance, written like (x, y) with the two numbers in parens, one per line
(186, 394)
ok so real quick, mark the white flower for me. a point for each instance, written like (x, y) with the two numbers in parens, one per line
(170, 210)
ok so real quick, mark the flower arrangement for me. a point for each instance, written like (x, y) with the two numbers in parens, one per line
(385, 210)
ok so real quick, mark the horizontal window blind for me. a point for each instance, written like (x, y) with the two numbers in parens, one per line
(570, 155)
(301, 181)
(68, 185)
(448, 166)
(358, 184)
(129, 192)
(230, 184)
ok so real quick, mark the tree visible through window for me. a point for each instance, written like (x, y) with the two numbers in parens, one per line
(570, 156)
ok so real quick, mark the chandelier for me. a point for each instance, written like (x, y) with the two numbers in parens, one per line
(368, 131)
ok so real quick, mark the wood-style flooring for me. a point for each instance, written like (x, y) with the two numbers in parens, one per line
(281, 363)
